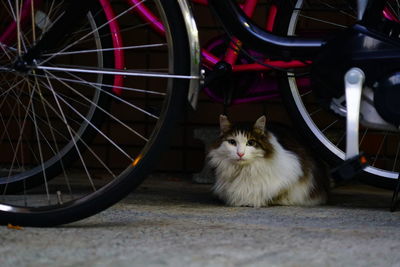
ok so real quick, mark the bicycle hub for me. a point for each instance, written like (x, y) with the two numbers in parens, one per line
(21, 65)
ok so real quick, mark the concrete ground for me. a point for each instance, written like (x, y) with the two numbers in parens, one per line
(172, 222)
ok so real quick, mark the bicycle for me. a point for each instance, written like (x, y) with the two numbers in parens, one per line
(31, 60)
(332, 147)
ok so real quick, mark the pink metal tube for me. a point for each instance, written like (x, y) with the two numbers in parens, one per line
(119, 62)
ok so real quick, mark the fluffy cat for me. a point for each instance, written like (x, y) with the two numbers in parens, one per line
(258, 167)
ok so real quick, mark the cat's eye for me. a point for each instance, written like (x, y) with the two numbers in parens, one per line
(251, 143)
(232, 142)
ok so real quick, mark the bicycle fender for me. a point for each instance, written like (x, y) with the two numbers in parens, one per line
(193, 37)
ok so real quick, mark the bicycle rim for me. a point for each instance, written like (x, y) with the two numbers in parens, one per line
(127, 128)
(325, 130)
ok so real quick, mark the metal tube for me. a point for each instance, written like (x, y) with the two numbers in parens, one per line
(238, 24)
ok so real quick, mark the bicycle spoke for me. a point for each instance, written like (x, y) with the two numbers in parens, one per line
(98, 130)
(70, 134)
(48, 105)
(36, 127)
(95, 30)
(48, 23)
(106, 112)
(37, 117)
(24, 39)
(104, 50)
(122, 101)
(18, 21)
(329, 126)
(312, 113)
(380, 148)
(116, 72)
(10, 9)
(99, 85)
(306, 93)
(6, 53)
(341, 139)
(19, 139)
(33, 117)
(6, 134)
(338, 10)
(396, 157)
(16, 118)
(33, 22)
(127, 29)
(396, 12)
(323, 21)
(45, 21)
(363, 136)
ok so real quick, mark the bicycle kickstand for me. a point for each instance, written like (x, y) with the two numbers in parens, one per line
(354, 161)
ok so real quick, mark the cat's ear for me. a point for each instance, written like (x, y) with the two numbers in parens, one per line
(260, 123)
(224, 124)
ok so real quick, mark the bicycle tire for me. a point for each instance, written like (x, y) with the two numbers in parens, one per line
(121, 155)
(325, 131)
(16, 181)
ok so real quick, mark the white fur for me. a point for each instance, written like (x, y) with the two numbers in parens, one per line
(258, 181)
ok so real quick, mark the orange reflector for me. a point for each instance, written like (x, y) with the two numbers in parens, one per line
(136, 161)
(363, 160)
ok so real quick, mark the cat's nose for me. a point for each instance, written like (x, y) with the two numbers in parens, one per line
(240, 154)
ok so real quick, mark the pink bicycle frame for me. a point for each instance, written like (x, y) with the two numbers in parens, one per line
(119, 58)
(269, 89)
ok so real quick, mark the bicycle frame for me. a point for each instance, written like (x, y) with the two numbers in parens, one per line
(208, 59)
(247, 11)
(237, 23)
(266, 89)
(234, 20)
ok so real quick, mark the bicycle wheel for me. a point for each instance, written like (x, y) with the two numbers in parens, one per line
(325, 131)
(31, 156)
(114, 141)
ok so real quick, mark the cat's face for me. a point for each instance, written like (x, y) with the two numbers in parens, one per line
(241, 148)
(242, 145)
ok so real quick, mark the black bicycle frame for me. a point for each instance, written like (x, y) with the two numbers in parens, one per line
(238, 24)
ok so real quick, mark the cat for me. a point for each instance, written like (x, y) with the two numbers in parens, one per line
(257, 167)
